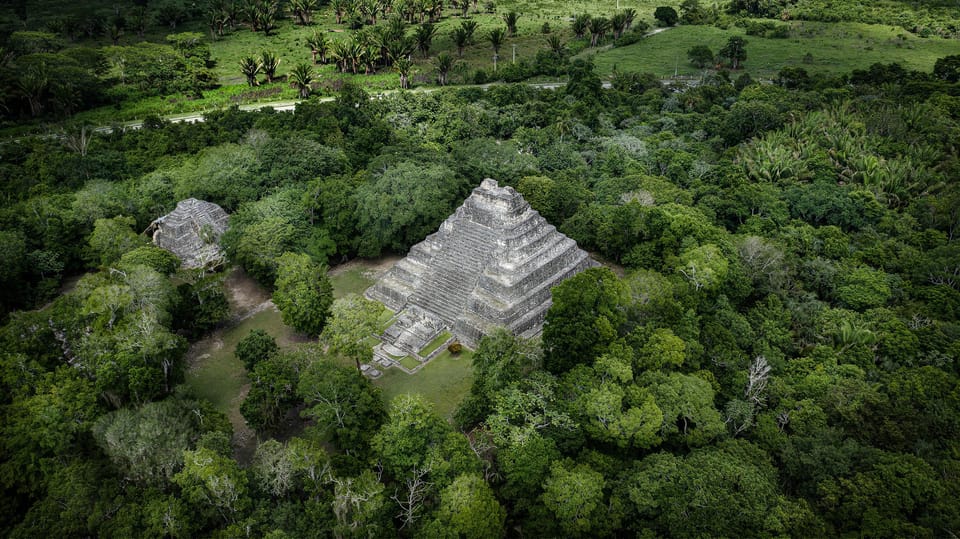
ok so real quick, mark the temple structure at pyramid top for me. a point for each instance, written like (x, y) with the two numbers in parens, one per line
(492, 263)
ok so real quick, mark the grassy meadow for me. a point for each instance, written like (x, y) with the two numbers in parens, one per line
(832, 48)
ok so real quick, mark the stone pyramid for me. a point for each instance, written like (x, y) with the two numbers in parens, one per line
(492, 263)
(192, 232)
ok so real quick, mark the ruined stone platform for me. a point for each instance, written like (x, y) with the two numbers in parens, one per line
(492, 263)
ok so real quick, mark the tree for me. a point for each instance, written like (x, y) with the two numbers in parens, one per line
(353, 321)
(947, 68)
(444, 63)
(665, 15)
(461, 38)
(273, 385)
(423, 36)
(269, 63)
(412, 428)
(403, 203)
(510, 19)
(587, 312)
(403, 66)
(468, 509)
(303, 293)
(146, 444)
(718, 491)
(734, 51)
(303, 10)
(598, 28)
(574, 494)
(496, 41)
(112, 238)
(256, 346)
(211, 479)
(302, 78)
(250, 67)
(701, 56)
(689, 415)
(580, 25)
(346, 407)
(160, 260)
(319, 47)
(704, 267)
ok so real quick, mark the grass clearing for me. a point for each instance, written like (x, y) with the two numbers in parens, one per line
(444, 381)
(352, 281)
(215, 372)
(435, 343)
(833, 48)
(409, 363)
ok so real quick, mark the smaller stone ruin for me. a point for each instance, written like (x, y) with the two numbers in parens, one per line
(192, 232)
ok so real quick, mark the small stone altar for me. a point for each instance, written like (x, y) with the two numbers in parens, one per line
(492, 263)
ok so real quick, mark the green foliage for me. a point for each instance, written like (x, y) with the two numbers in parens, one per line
(343, 403)
(468, 508)
(700, 56)
(112, 238)
(412, 428)
(404, 203)
(574, 494)
(155, 258)
(666, 16)
(273, 385)
(303, 293)
(257, 346)
(586, 315)
(353, 321)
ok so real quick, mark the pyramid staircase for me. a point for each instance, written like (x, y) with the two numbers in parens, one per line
(492, 263)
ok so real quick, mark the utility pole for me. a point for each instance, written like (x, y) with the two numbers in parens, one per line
(514, 54)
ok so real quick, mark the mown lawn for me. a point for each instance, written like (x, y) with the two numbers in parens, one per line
(833, 48)
(445, 381)
(216, 374)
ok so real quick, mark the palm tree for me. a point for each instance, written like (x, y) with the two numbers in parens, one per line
(340, 9)
(598, 28)
(250, 67)
(630, 14)
(301, 77)
(469, 27)
(580, 25)
(424, 37)
(460, 39)
(435, 10)
(303, 10)
(618, 23)
(33, 84)
(444, 63)
(319, 46)
(496, 37)
(400, 48)
(556, 44)
(403, 67)
(511, 20)
(269, 64)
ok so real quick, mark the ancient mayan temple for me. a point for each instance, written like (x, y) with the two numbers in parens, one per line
(492, 263)
(192, 232)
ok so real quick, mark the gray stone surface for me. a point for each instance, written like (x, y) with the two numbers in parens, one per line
(192, 232)
(492, 263)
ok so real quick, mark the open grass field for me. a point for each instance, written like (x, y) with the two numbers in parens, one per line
(833, 48)
(444, 381)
